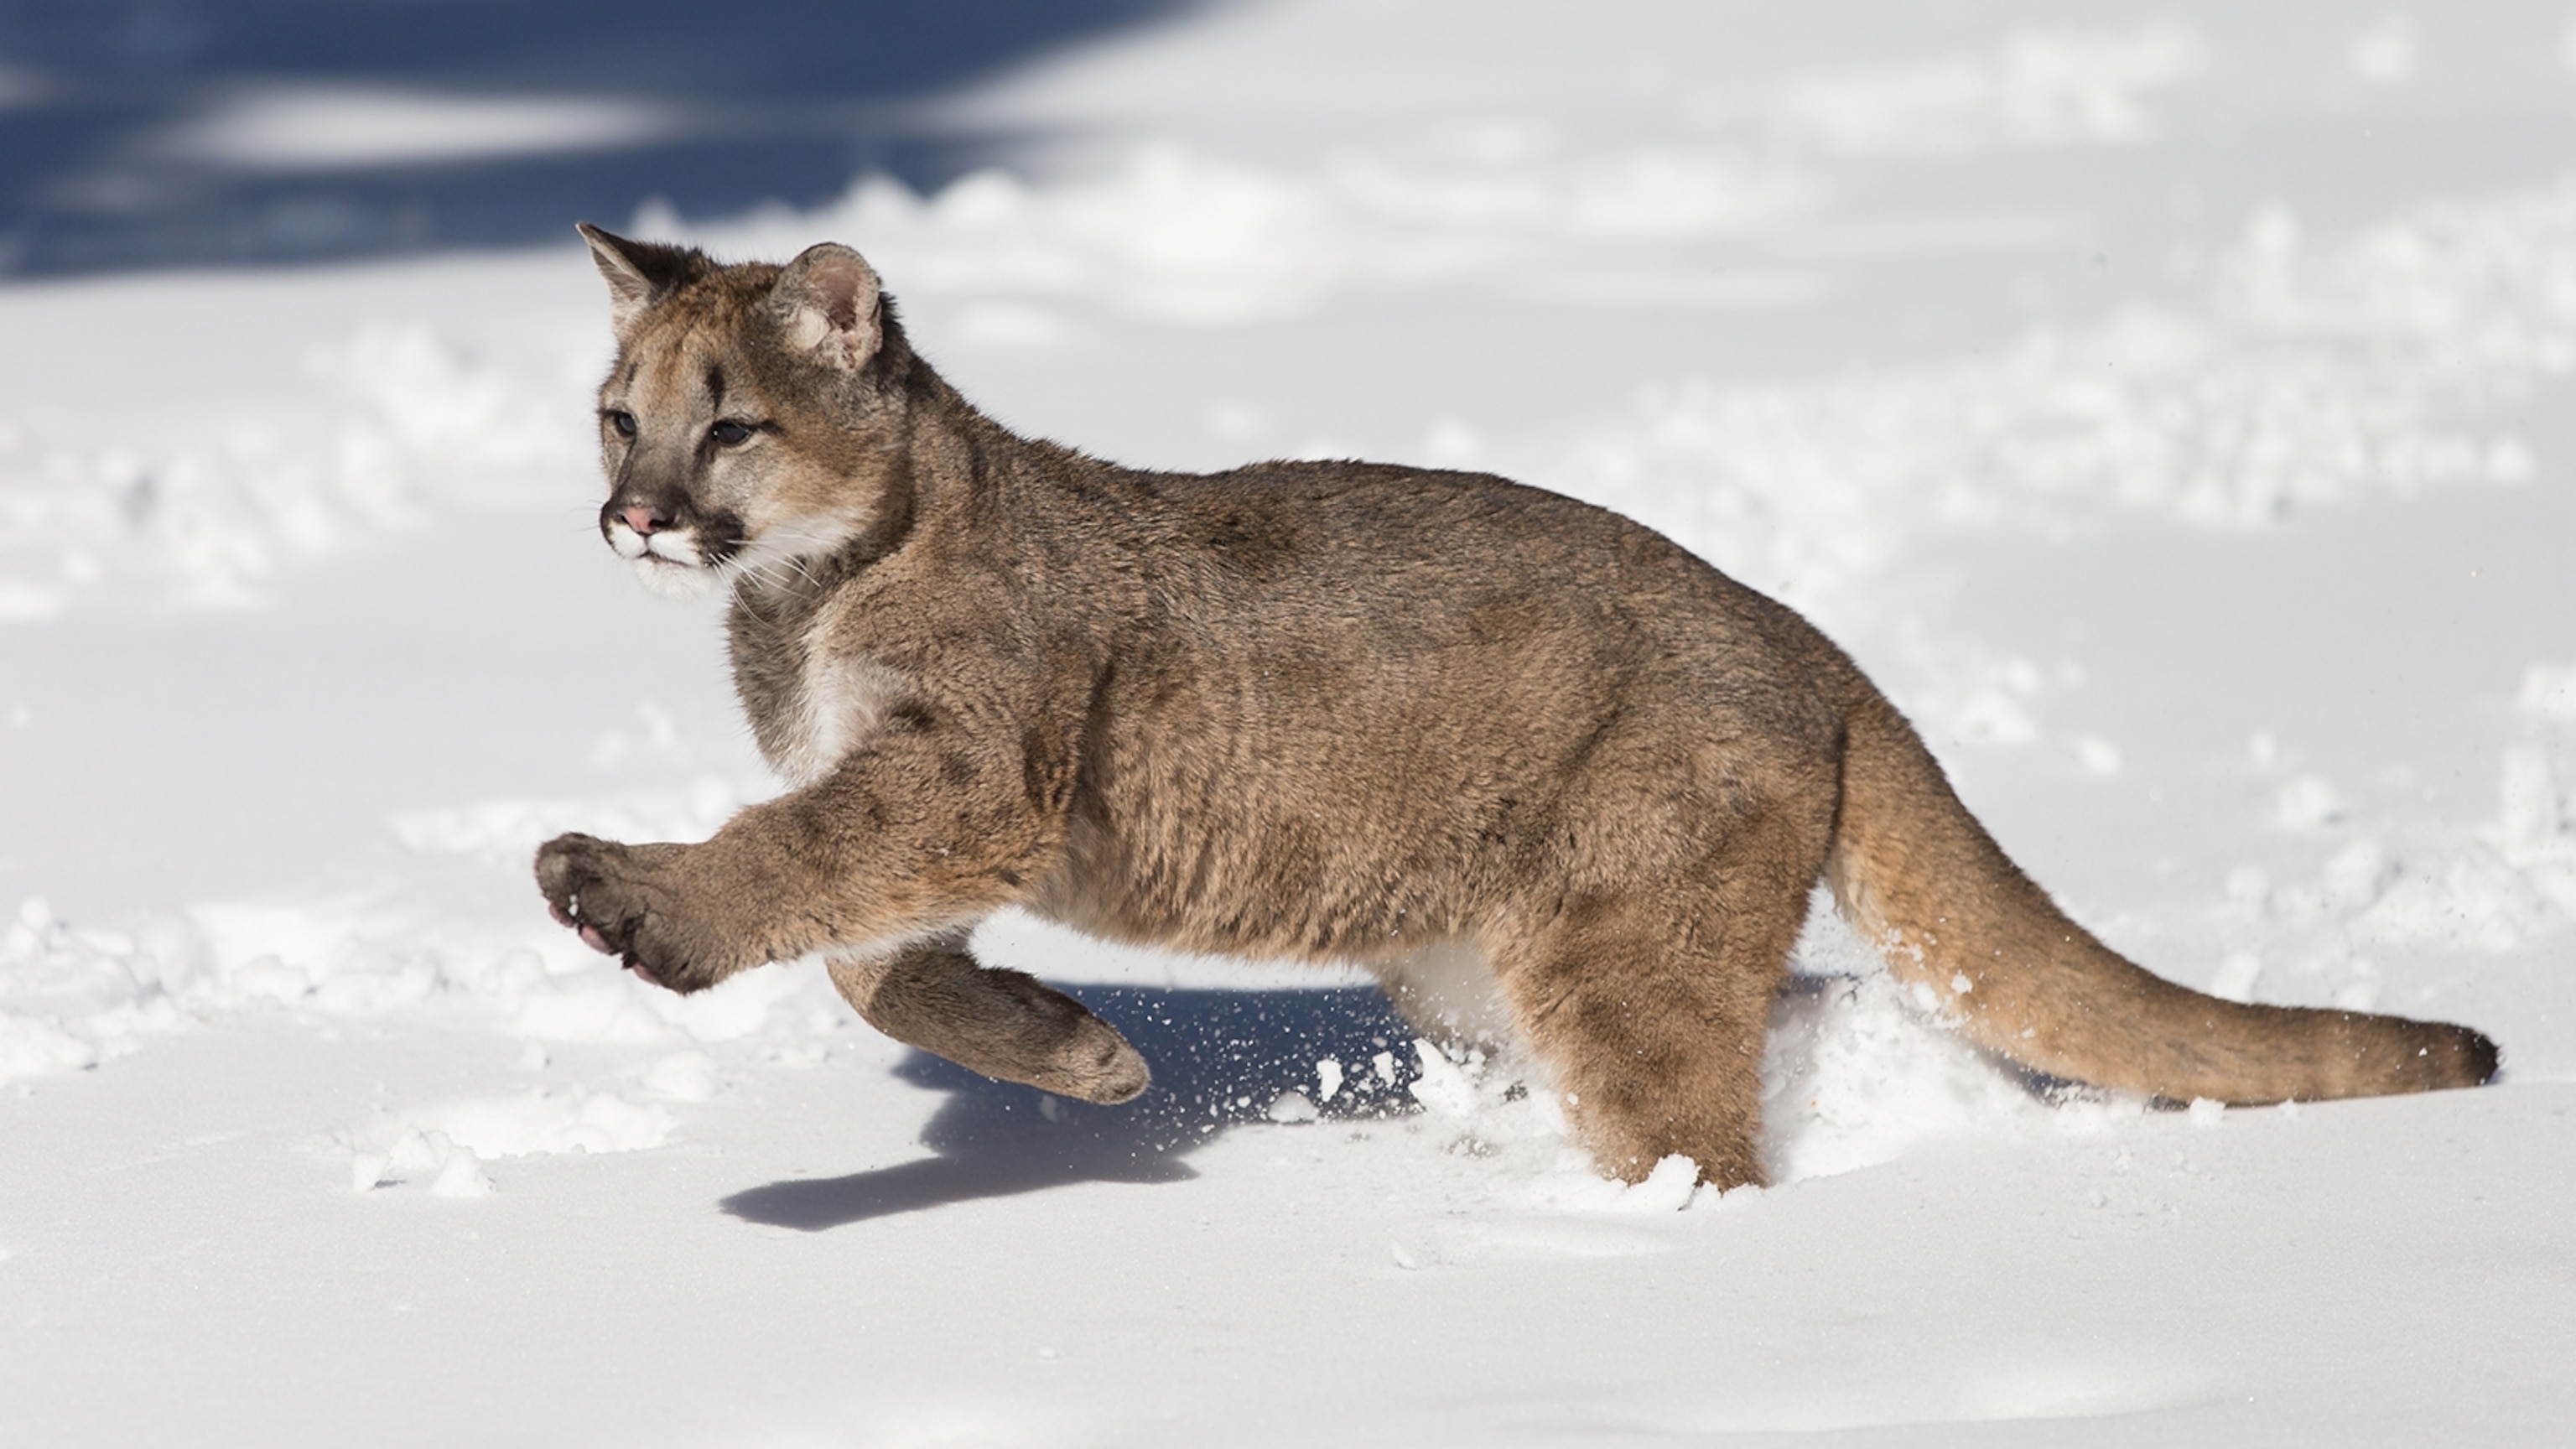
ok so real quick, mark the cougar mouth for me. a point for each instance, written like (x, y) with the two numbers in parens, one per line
(676, 561)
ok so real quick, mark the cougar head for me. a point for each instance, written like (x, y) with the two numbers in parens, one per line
(753, 418)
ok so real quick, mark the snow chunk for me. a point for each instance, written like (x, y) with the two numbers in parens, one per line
(1667, 1188)
(1579, 1187)
(446, 1145)
(410, 1154)
(1292, 1106)
(30, 1047)
(1443, 1087)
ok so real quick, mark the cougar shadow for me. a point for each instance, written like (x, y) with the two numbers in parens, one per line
(1219, 1058)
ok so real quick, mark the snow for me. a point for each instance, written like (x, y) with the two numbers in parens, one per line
(322, 128)
(2169, 408)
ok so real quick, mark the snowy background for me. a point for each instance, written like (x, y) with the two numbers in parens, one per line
(2169, 404)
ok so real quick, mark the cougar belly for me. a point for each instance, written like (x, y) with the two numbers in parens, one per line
(1445, 990)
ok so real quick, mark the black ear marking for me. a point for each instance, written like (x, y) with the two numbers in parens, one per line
(639, 273)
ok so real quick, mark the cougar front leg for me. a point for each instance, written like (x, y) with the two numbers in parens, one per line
(911, 837)
(1004, 1024)
(659, 908)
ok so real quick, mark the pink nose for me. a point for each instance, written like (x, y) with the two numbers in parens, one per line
(644, 520)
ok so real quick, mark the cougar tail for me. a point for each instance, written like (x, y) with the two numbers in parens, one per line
(1917, 876)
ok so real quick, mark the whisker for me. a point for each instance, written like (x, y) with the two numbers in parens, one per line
(767, 567)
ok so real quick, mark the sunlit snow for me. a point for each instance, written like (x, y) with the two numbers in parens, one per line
(2171, 410)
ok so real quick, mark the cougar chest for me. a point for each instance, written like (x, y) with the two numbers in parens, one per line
(831, 702)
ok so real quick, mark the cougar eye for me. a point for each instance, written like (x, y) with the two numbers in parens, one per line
(730, 434)
(621, 420)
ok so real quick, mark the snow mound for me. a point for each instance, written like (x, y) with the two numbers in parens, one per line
(2306, 376)
(2493, 888)
(444, 1146)
(1172, 236)
(1859, 1071)
(72, 998)
(394, 421)
(2031, 89)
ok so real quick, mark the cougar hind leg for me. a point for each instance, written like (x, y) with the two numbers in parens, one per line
(1004, 1024)
(1651, 1006)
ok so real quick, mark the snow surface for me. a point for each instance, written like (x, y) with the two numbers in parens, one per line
(2169, 406)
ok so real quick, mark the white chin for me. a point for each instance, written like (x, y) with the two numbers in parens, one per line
(675, 580)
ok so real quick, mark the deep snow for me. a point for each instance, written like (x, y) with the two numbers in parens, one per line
(2169, 407)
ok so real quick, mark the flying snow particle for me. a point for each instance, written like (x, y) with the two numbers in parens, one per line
(1292, 1106)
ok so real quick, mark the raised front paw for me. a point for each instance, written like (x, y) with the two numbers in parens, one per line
(634, 902)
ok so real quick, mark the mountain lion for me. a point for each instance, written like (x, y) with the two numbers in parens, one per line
(1422, 721)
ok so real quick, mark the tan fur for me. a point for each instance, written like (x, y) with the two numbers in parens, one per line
(1002, 1023)
(1329, 711)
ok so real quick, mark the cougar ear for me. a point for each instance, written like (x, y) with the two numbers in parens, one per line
(638, 272)
(826, 301)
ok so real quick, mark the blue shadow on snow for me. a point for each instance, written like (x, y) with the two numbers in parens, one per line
(1219, 1058)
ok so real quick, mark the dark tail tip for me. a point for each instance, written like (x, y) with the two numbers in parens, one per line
(2480, 1056)
(2448, 1056)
